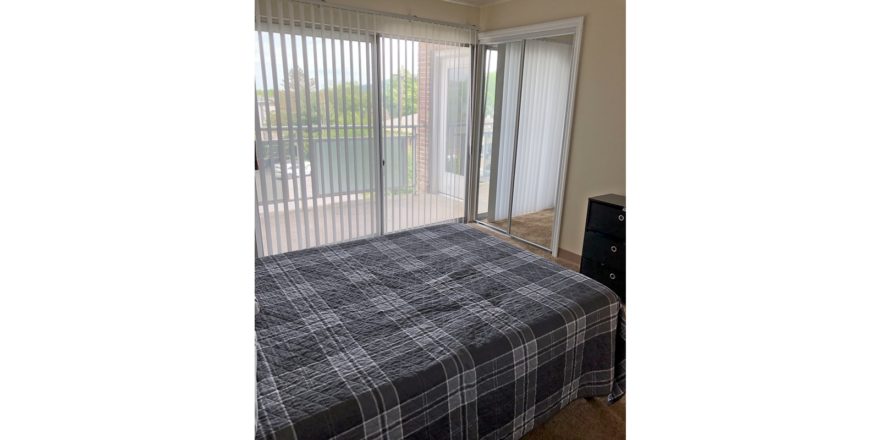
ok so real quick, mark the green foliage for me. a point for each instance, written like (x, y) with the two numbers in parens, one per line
(345, 104)
(341, 111)
(401, 94)
(490, 93)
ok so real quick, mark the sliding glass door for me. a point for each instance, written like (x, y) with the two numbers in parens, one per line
(316, 150)
(360, 124)
(425, 103)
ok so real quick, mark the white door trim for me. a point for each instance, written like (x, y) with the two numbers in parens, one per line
(567, 26)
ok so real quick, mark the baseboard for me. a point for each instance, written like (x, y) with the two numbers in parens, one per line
(568, 256)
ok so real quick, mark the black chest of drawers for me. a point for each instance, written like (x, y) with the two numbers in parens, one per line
(603, 257)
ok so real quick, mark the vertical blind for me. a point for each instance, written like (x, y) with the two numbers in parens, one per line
(360, 124)
(426, 86)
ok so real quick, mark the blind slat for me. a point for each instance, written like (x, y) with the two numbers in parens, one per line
(289, 151)
(410, 150)
(375, 122)
(319, 143)
(300, 148)
(351, 152)
(279, 147)
(257, 229)
(262, 176)
(313, 155)
(262, 152)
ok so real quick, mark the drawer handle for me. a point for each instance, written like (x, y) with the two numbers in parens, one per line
(620, 217)
(612, 276)
(613, 248)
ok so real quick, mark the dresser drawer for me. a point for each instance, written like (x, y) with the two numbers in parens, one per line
(605, 250)
(608, 220)
(613, 279)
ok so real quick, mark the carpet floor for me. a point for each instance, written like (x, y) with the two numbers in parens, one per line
(583, 418)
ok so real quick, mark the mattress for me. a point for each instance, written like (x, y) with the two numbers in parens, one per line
(438, 332)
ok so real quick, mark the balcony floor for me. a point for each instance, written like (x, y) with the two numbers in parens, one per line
(340, 219)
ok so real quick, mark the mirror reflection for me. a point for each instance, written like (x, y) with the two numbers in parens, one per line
(525, 95)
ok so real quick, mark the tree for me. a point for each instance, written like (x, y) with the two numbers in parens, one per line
(346, 105)
(401, 91)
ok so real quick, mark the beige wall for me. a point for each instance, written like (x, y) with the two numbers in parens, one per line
(597, 161)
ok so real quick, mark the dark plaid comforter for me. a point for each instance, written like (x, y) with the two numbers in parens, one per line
(439, 332)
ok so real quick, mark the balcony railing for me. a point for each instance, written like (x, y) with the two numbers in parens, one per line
(340, 165)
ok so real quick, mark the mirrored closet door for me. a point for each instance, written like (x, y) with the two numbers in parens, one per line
(527, 88)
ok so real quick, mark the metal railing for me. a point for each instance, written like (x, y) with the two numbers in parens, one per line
(340, 165)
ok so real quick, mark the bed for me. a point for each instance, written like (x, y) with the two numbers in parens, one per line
(437, 332)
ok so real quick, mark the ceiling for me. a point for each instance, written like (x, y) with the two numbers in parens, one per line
(475, 2)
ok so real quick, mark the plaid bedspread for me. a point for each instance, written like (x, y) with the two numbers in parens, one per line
(439, 332)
